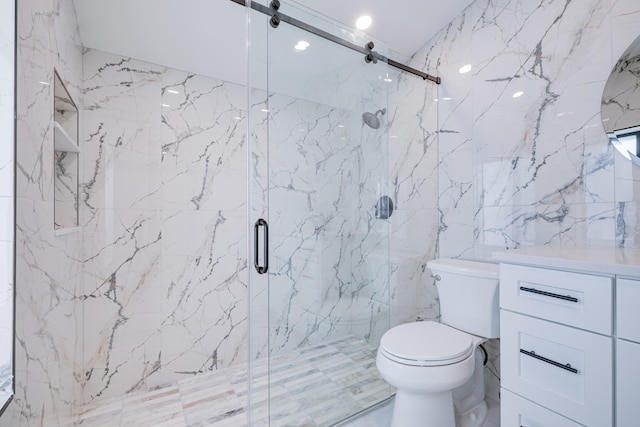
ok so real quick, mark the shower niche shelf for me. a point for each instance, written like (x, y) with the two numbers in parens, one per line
(65, 159)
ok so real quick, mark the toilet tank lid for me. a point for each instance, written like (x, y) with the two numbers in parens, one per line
(465, 267)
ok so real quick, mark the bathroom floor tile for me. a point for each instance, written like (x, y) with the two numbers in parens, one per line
(310, 387)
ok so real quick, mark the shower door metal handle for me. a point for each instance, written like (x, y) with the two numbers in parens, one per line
(261, 269)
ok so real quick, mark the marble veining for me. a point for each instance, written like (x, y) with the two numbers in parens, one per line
(165, 254)
(523, 157)
(47, 267)
(329, 262)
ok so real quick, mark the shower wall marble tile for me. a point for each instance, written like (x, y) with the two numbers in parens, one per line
(165, 221)
(204, 180)
(48, 267)
(535, 168)
(121, 223)
(329, 253)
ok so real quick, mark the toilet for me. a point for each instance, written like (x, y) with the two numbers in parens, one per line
(437, 368)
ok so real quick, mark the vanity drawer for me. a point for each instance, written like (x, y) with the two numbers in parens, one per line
(575, 299)
(516, 411)
(566, 370)
(628, 309)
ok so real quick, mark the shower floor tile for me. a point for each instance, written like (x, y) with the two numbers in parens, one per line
(310, 387)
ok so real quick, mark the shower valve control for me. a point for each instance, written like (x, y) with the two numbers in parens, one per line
(384, 207)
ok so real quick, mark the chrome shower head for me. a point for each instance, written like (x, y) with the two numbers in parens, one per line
(372, 120)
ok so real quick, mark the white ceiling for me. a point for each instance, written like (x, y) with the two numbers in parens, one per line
(208, 36)
(405, 25)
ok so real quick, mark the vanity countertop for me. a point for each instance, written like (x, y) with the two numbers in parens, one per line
(594, 259)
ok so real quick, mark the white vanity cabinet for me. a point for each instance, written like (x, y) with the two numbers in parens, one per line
(556, 347)
(570, 337)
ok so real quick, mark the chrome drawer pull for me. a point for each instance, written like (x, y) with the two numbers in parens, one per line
(549, 294)
(533, 354)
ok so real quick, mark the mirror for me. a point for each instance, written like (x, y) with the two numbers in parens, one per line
(7, 172)
(621, 104)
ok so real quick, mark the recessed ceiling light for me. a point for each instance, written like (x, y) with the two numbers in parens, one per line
(465, 69)
(446, 98)
(45, 83)
(172, 91)
(387, 79)
(363, 22)
(166, 105)
(264, 110)
(302, 45)
(518, 94)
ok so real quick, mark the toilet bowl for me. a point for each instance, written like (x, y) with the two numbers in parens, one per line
(435, 367)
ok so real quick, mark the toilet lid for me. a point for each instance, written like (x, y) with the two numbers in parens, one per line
(426, 344)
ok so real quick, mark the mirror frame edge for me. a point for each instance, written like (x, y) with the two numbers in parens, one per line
(611, 134)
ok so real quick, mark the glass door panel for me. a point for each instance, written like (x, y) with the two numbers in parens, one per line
(319, 130)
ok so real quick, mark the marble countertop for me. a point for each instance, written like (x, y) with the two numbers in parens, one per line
(594, 259)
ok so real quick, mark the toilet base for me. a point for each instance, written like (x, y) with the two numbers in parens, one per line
(474, 417)
(436, 409)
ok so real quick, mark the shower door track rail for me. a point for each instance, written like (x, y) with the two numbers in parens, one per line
(325, 35)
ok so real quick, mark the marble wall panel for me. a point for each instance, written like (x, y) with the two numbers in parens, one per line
(121, 194)
(48, 267)
(165, 226)
(541, 170)
(204, 179)
(329, 253)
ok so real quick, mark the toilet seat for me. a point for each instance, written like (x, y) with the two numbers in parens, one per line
(426, 344)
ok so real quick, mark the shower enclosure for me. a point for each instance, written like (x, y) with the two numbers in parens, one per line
(227, 217)
(317, 170)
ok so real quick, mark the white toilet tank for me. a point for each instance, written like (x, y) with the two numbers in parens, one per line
(468, 295)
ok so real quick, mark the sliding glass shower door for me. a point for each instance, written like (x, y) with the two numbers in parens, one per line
(319, 217)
